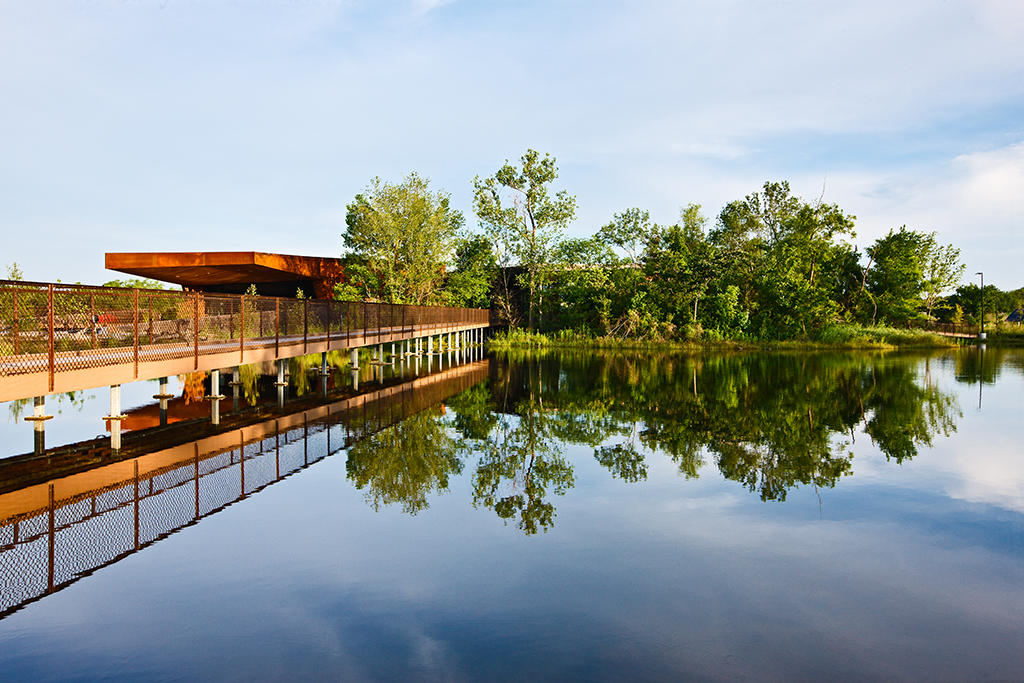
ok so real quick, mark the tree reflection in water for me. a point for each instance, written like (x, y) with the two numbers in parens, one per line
(768, 421)
(405, 463)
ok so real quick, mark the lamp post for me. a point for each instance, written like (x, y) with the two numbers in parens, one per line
(982, 305)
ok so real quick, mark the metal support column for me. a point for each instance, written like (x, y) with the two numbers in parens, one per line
(38, 419)
(163, 396)
(215, 397)
(115, 417)
(280, 383)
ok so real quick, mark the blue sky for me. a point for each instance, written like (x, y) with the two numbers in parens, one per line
(186, 125)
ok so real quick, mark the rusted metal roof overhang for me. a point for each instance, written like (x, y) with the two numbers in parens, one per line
(234, 271)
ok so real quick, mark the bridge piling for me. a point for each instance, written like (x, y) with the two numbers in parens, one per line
(162, 395)
(38, 419)
(115, 417)
(215, 397)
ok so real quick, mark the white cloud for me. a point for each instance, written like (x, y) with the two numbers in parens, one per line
(205, 119)
(975, 201)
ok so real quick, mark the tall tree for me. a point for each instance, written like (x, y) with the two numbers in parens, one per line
(470, 280)
(628, 231)
(942, 270)
(521, 215)
(403, 234)
(782, 255)
(896, 278)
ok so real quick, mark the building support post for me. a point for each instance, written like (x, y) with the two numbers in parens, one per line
(281, 383)
(38, 419)
(215, 397)
(115, 417)
(163, 396)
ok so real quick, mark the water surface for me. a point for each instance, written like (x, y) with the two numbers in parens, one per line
(755, 517)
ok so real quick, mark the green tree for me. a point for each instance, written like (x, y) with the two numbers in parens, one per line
(896, 279)
(14, 272)
(582, 284)
(470, 281)
(680, 263)
(629, 306)
(523, 219)
(942, 270)
(136, 283)
(402, 235)
(628, 231)
(784, 256)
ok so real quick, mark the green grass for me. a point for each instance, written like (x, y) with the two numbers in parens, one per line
(861, 336)
(1005, 334)
(839, 336)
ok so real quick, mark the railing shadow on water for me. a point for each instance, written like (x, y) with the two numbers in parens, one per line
(56, 531)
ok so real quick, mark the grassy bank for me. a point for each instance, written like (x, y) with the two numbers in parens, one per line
(832, 337)
(1005, 334)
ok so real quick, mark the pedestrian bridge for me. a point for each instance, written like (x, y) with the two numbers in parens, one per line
(58, 338)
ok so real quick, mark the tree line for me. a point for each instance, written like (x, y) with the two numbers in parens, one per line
(771, 265)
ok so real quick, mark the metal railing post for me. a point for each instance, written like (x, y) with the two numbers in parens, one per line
(241, 329)
(196, 457)
(52, 542)
(49, 325)
(135, 321)
(305, 325)
(92, 318)
(277, 327)
(195, 325)
(149, 305)
(136, 504)
(17, 350)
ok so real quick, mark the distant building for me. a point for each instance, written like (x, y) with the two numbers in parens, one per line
(233, 272)
(1016, 317)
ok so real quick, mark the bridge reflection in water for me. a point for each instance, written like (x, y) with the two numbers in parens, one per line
(54, 532)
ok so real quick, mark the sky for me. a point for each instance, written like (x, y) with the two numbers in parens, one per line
(188, 125)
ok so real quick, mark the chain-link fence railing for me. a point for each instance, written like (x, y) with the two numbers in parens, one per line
(56, 328)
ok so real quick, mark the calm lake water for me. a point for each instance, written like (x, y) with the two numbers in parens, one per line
(552, 516)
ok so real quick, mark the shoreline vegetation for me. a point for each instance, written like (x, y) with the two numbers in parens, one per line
(839, 337)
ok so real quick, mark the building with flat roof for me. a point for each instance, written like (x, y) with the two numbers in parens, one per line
(232, 272)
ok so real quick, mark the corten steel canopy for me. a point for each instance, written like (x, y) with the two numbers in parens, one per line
(231, 272)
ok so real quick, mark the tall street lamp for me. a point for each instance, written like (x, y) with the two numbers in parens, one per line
(982, 305)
